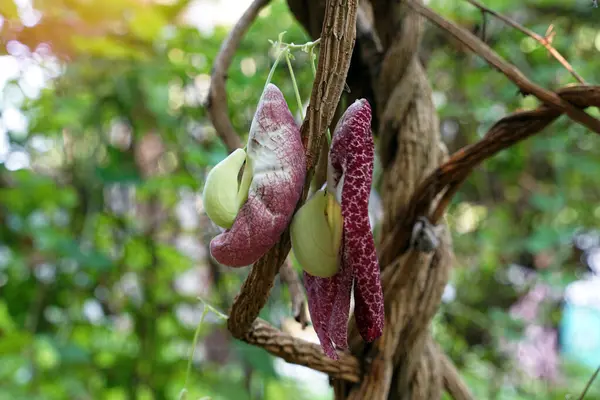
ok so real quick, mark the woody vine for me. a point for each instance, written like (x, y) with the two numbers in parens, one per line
(330, 234)
(414, 255)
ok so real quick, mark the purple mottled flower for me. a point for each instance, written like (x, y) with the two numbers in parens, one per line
(350, 177)
(276, 158)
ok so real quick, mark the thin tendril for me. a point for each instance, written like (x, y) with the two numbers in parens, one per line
(183, 393)
(284, 49)
(313, 57)
(272, 71)
(207, 308)
(298, 99)
(281, 52)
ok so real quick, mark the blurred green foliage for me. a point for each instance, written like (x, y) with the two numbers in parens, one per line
(96, 247)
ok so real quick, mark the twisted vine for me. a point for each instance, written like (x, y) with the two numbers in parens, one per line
(413, 282)
(419, 180)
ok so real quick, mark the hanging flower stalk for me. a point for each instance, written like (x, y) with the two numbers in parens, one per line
(257, 210)
(332, 266)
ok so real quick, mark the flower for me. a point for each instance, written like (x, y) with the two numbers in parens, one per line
(277, 166)
(349, 179)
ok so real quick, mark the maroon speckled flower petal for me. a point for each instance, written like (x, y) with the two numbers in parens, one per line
(276, 156)
(321, 294)
(350, 169)
(352, 151)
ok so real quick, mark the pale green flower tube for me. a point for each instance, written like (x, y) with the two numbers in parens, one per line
(316, 235)
(223, 195)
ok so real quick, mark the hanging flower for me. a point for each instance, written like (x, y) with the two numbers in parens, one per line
(349, 182)
(260, 208)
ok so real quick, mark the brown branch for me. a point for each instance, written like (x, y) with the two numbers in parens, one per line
(216, 104)
(301, 352)
(505, 133)
(337, 41)
(513, 73)
(453, 382)
(347, 367)
(444, 202)
(542, 40)
(290, 277)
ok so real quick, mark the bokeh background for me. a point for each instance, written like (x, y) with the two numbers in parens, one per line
(104, 147)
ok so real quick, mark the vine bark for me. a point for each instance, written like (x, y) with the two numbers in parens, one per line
(418, 182)
(405, 363)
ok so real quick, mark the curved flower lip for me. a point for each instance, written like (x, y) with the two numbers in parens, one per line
(275, 156)
(350, 177)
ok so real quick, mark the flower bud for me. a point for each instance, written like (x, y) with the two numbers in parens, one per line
(316, 234)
